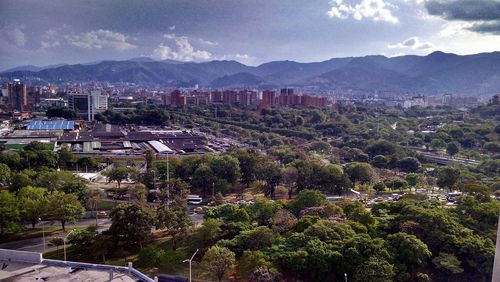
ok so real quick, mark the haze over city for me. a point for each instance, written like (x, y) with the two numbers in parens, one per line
(251, 32)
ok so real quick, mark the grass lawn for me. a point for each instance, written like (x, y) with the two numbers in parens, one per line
(106, 205)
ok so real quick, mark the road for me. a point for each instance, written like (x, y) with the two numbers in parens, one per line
(36, 244)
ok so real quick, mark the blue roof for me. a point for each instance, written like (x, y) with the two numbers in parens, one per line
(51, 125)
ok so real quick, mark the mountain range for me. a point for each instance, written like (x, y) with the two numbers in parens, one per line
(436, 73)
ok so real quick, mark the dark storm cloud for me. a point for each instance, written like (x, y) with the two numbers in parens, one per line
(467, 10)
(492, 27)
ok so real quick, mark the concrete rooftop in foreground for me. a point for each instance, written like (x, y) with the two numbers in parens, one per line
(23, 272)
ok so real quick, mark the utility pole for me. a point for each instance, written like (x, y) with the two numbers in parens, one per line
(168, 183)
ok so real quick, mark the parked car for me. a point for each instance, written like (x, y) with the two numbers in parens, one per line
(198, 210)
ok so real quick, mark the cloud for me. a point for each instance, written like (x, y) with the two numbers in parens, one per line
(467, 10)
(481, 16)
(412, 43)
(98, 39)
(207, 42)
(377, 10)
(13, 35)
(184, 51)
(492, 27)
(49, 39)
(242, 58)
(172, 27)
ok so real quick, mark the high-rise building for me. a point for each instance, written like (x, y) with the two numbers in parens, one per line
(177, 99)
(34, 94)
(99, 101)
(447, 99)
(17, 97)
(81, 103)
(268, 99)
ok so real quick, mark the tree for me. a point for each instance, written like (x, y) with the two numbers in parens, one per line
(254, 239)
(269, 172)
(408, 249)
(375, 269)
(9, 211)
(379, 186)
(448, 262)
(263, 210)
(101, 246)
(88, 163)
(289, 177)
(493, 147)
(5, 175)
(329, 231)
(412, 179)
(452, 148)
(149, 156)
(139, 192)
(172, 213)
(381, 147)
(65, 207)
(318, 117)
(379, 161)
(64, 181)
(20, 180)
(437, 144)
(118, 174)
(250, 261)
(409, 164)
(226, 167)
(307, 198)
(82, 240)
(360, 172)
(93, 199)
(447, 177)
(130, 224)
(60, 112)
(283, 221)
(65, 157)
(34, 204)
(203, 178)
(219, 260)
(248, 164)
(208, 234)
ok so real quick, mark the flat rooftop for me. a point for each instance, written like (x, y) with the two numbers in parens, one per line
(21, 272)
(51, 125)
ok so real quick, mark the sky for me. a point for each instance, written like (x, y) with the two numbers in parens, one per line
(252, 32)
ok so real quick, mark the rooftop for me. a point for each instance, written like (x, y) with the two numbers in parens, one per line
(51, 124)
(17, 272)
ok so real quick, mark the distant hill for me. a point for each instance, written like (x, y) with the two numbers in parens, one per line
(435, 73)
(32, 68)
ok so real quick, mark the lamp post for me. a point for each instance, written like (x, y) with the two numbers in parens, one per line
(345, 275)
(64, 243)
(190, 263)
(43, 233)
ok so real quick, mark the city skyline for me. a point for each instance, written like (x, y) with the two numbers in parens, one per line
(54, 32)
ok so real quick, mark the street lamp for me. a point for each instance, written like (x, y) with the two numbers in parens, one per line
(64, 243)
(190, 262)
(43, 233)
(345, 275)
